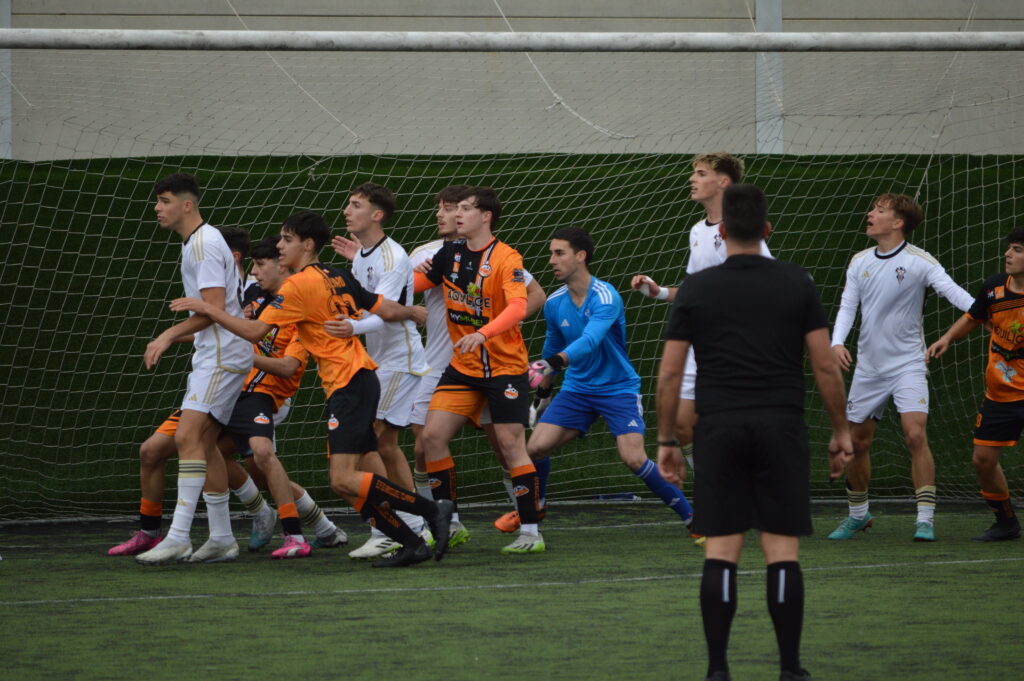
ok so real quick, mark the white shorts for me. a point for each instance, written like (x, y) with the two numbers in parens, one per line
(688, 386)
(398, 391)
(869, 395)
(213, 391)
(421, 402)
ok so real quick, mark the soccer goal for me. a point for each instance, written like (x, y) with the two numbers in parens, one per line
(567, 136)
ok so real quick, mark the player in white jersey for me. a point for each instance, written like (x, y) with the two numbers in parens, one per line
(220, 363)
(889, 283)
(712, 173)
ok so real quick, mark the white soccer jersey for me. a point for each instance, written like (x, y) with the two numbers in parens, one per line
(385, 269)
(707, 247)
(206, 262)
(439, 343)
(890, 289)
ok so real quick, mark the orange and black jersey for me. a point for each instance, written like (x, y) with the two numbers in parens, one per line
(477, 287)
(1004, 308)
(315, 294)
(280, 341)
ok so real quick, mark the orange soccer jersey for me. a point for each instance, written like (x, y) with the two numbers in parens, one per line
(280, 341)
(312, 296)
(1004, 373)
(477, 288)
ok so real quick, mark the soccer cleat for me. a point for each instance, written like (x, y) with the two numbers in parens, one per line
(292, 548)
(851, 526)
(427, 536)
(525, 543)
(457, 535)
(215, 552)
(999, 532)
(339, 538)
(374, 548)
(508, 523)
(406, 556)
(165, 552)
(698, 539)
(924, 532)
(139, 542)
(441, 526)
(262, 528)
(802, 675)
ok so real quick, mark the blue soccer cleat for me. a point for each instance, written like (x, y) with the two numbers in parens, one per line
(851, 526)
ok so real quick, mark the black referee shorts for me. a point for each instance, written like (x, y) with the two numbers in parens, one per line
(752, 474)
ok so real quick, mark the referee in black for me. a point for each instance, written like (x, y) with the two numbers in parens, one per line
(748, 320)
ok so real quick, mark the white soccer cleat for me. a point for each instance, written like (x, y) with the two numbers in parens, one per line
(165, 552)
(525, 543)
(331, 541)
(215, 552)
(374, 548)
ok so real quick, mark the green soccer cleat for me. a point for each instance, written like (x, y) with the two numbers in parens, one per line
(525, 543)
(851, 526)
(457, 534)
(924, 532)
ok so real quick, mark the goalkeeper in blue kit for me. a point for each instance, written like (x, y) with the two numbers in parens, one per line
(586, 336)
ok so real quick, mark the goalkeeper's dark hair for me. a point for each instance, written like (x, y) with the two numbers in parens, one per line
(1016, 236)
(237, 238)
(266, 249)
(579, 240)
(452, 194)
(486, 200)
(380, 196)
(178, 184)
(906, 209)
(744, 212)
(308, 225)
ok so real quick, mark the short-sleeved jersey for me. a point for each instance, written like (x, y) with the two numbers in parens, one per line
(477, 286)
(280, 341)
(747, 320)
(890, 289)
(385, 269)
(997, 303)
(206, 262)
(707, 247)
(313, 295)
(438, 348)
(593, 337)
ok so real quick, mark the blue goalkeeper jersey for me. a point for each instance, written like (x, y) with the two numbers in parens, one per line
(593, 336)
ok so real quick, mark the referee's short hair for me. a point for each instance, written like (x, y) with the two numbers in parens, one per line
(745, 212)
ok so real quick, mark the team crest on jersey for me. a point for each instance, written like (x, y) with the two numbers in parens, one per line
(518, 276)
(261, 419)
(718, 240)
(332, 423)
(485, 270)
(901, 273)
(370, 283)
(511, 393)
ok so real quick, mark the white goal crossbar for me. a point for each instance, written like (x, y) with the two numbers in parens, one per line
(453, 41)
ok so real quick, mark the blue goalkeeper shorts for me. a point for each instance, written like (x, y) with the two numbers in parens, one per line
(577, 411)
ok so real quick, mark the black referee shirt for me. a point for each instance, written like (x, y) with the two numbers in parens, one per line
(746, 320)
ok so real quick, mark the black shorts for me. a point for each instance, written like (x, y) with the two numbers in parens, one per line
(999, 424)
(753, 474)
(507, 396)
(351, 412)
(253, 417)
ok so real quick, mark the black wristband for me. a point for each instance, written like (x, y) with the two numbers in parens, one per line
(556, 362)
(668, 443)
(544, 393)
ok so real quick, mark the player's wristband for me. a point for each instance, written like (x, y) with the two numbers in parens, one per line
(662, 294)
(668, 443)
(555, 362)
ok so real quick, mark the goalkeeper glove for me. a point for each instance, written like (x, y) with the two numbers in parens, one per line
(540, 403)
(542, 368)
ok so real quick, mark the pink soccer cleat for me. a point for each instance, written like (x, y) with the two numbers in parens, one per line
(140, 542)
(292, 548)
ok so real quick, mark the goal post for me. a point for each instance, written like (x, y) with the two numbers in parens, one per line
(599, 135)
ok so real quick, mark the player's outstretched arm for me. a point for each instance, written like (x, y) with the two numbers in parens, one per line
(345, 247)
(833, 395)
(390, 311)
(650, 288)
(250, 329)
(285, 367)
(671, 464)
(960, 328)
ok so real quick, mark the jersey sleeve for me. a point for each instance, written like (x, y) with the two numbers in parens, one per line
(691, 266)
(847, 308)
(286, 307)
(440, 263)
(297, 350)
(513, 276)
(979, 308)
(395, 279)
(602, 315)
(528, 279)
(944, 285)
(554, 341)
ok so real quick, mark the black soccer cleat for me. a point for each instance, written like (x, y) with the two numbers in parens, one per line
(406, 556)
(440, 525)
(1000, 532)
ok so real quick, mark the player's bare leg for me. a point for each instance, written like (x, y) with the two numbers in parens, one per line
(153, 456)
(922, 472)
(858, 478)
(996, 493)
